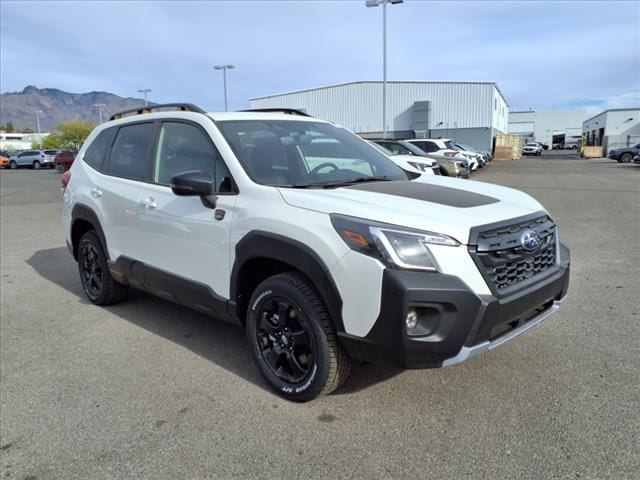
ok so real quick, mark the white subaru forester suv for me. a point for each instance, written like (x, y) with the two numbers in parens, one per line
(310, 238)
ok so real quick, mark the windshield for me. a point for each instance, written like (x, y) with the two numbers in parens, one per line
(288, 153)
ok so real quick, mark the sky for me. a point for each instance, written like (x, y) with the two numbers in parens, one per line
(542, 54)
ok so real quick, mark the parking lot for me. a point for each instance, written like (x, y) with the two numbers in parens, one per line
(150, 390)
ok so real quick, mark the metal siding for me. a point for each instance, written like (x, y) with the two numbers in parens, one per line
(357, 106)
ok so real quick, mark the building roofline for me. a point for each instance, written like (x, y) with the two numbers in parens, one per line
(523, 111)
(305, 90)
(611, 110)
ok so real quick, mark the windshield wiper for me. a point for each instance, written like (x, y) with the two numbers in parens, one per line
(353, 181)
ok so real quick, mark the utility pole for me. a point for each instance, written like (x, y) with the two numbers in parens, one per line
(38, 112)
(224, 69)
(375, 3)
(100, 106)
(145, 91)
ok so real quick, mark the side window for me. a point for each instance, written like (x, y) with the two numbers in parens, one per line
(183, 147)
(94, 156)
(430, 147)
(130, 152)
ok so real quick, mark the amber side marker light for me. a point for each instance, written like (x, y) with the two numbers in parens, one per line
(356, 238)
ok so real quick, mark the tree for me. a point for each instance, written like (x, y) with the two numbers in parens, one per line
(69, 135)
(7, 127)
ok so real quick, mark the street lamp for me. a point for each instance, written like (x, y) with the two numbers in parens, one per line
(145, 91)
(99, 106)
(224, 69)
(38, 112)
(375, 3)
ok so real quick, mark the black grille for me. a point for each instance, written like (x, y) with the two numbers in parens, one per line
(503, 261)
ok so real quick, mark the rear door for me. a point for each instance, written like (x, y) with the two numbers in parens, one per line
(185, 242)
(127, 167)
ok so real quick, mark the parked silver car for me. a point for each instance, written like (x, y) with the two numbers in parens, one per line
(33, 158)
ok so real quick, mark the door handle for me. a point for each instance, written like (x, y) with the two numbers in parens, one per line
(96, 192)
(149, 202)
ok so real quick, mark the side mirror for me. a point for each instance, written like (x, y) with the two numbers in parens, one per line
(195, 183)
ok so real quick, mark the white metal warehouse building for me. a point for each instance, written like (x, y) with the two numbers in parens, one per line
(469, 112)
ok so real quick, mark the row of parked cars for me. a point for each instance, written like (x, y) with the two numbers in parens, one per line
(433, 156)
(61, 160)
(441, 156)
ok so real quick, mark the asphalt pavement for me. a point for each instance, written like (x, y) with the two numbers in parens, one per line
(150, 390)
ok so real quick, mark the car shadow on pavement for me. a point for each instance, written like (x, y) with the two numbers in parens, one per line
(215, 340)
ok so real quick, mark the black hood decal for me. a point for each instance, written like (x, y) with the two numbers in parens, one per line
(451, 197)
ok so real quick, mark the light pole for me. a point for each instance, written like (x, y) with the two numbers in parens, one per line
(375, 3)
(224, 69)
(38, 112)
(100, 106)
(145, 91)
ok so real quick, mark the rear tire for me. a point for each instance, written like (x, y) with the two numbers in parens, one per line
(60, 168)
(626, 157)
(293, 340)
(97, 282)
(36, 165)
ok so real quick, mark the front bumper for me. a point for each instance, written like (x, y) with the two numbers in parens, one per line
(454, 324)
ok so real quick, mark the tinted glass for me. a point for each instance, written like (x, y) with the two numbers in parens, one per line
(298, 153)
(183, 147)
(416, 149)
(51, 152)
(130, 152)
(96, 151)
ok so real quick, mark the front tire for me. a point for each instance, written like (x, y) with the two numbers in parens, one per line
(13, 165)
(626, 157)
(97, 282)
(293, 340)
(60, 168)
(36, 165)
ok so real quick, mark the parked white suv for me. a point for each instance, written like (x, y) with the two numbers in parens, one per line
(532, 149)
(445, 146)
(325, 255)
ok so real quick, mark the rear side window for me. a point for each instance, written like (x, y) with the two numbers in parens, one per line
(129, 156)
(94, 155)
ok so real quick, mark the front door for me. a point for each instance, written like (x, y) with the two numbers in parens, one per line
(186, 244)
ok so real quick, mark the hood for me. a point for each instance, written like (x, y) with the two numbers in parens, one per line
(437, 204)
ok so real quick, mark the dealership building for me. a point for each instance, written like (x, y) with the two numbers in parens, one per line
(552, 127)
(614, 128)
(468, 112)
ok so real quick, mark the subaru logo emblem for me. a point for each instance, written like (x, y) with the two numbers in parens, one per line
(530, 240)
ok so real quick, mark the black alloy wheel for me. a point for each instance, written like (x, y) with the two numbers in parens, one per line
(293, 340)
(284, 339)
(97, 282)
(91, 271)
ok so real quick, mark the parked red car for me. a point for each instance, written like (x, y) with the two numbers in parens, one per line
(64, 160)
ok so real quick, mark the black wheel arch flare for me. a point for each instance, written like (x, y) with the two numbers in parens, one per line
(262, 245)
(86, 214)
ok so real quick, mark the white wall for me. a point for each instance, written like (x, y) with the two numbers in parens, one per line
(358, 106)
(547, 123)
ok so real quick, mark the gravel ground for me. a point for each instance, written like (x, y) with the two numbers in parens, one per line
(150, 390)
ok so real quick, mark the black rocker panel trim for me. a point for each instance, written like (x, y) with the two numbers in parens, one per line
(260, 244)
(451, 197)
(83, 212)
(176, 289)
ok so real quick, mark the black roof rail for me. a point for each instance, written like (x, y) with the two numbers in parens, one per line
(288, 111)
(183, 107)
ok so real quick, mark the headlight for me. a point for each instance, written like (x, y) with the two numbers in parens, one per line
(423, 167)
(397, 247)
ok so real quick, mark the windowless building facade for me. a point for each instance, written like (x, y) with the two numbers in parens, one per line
(468, 112)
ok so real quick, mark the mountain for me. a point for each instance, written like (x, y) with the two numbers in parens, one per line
(57, 106)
